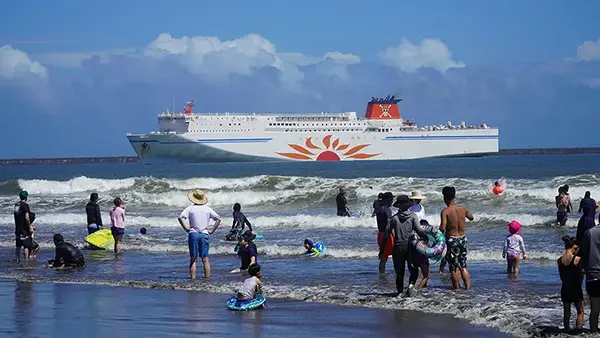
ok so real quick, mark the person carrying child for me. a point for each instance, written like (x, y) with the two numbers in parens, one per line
(571, 276)
(513, 249)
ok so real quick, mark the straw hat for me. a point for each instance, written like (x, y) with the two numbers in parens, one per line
(197, 196)
(417, 195)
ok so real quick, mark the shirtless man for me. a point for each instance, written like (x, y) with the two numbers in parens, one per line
(453, 226)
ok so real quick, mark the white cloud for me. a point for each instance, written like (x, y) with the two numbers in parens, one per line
(211, 57)
(430, 53)
(15, 63)
(589, 50)
(76, 59)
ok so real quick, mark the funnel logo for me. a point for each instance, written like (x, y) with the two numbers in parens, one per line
(331, 151)
(385, 111)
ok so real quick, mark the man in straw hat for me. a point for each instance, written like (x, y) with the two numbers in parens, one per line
(417, 196)
(199, 215)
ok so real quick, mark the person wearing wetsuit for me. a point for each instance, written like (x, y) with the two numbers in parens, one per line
(376, 204)
(383, 215)
(94, 217)
(239, 222)
(23, 228)
(67, 255)
(342, 204)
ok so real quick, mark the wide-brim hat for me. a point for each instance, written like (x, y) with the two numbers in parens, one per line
(388, 196)
(403, 202)
(197, 196)
(417, 195)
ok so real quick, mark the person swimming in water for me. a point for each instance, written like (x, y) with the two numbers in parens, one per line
(310, 248)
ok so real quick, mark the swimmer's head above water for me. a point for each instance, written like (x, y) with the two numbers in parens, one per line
(308, 244)
(143, 231)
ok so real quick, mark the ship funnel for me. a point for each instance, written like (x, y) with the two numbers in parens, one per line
(383, 108)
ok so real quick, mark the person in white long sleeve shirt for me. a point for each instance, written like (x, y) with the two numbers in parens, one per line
(513, 249)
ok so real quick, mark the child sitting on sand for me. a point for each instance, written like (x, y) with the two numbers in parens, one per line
(513, 249)
(572, 278)
(252, 285)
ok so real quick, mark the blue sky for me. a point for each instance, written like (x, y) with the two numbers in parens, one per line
(80, 74)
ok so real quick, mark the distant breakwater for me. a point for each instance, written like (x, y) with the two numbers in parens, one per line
(133, 159)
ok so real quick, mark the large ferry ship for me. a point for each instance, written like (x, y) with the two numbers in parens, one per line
(382, 134)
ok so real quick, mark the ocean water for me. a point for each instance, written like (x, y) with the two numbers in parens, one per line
(289, 202)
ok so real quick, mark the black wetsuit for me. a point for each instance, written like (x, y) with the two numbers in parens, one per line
(341, 205)
(92, 209)
(22, 228)
(68, 255)
(240, 221)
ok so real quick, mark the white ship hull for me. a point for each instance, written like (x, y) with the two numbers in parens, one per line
(332, 146)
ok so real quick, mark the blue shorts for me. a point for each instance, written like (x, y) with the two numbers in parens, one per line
(198, 243)
(117, 231)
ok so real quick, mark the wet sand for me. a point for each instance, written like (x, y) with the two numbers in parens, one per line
(82, 310)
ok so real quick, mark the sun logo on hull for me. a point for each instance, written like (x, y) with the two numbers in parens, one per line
(331, 151)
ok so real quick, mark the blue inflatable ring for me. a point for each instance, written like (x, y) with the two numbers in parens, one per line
(246, 305)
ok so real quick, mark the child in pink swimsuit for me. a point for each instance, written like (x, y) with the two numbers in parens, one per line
(513, 249)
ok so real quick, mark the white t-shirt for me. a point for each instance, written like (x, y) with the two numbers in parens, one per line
(199, 216)
(250, 287)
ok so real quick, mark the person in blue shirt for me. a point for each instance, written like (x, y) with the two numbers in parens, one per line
(248, 252)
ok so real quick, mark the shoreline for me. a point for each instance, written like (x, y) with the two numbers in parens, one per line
(279, 319)
(135, 159)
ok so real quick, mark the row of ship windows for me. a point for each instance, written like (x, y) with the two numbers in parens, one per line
(215, 131)
(311, 124)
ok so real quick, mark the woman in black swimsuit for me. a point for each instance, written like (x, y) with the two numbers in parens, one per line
(571, 276)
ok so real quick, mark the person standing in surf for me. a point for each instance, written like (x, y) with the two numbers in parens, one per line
(588, 219)
(589, 251)
(199, 230)
(117, 223)
(417, 207)
(376, 204)
(342, 203)
(402, 225)
(587, 196)
(563, 204)
(94, 217)
(383, 215)
(571, 277)
(453, 226)
(23, 227)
